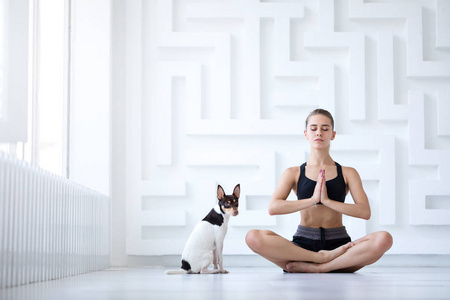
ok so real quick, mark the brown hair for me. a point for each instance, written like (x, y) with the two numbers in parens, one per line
(320, 111)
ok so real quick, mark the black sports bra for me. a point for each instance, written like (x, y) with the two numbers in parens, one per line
(336, 187)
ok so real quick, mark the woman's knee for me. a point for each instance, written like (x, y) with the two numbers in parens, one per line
(384, 241)
(254, 239)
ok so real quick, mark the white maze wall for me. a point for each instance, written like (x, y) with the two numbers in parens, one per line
(218, 92)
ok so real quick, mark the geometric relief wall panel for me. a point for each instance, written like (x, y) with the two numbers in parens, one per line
(424, 189)
(227, 85)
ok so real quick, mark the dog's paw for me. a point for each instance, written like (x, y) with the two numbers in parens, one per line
(224, 272)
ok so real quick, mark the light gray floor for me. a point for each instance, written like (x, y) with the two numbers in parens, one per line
(242, 283)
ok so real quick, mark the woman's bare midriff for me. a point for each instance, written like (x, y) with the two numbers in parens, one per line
(320, 216)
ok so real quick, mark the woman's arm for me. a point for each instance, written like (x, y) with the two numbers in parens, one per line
(361, 208)
(278, 204)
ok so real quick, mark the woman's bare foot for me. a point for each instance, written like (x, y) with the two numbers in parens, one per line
(303, 267)
(332, 254)
(310, 267)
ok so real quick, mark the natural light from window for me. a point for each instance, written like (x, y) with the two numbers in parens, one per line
(2, 59)
(49, 93)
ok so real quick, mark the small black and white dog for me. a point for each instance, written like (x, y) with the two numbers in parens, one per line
(205, 245)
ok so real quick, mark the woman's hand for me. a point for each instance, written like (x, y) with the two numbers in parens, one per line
(317, 196)
(324, 193)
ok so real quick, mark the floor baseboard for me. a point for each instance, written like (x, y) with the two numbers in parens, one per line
(393, 260)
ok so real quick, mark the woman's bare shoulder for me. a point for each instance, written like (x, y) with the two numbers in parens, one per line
(346, 169)
(292, 171)
(290, 174)
(350, 173)
(288, 180)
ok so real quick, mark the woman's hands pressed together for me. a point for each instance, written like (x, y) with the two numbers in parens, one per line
(320, 192)
(317, 195)
(324, 193)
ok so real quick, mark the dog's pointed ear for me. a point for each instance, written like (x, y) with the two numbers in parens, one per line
(220, 193)
(237, 191)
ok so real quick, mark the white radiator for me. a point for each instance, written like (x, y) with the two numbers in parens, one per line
(50, 227)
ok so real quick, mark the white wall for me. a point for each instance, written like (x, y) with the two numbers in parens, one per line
(216, 92)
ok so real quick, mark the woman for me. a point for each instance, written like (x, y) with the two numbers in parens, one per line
(321, 243)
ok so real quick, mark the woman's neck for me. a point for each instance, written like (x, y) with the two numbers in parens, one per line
(320, 158)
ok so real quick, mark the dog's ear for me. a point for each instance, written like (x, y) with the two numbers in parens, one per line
(237, 191)
(220, 192)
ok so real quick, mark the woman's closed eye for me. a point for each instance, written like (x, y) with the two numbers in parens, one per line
(323, 129)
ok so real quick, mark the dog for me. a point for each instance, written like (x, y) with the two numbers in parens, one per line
(205, 244)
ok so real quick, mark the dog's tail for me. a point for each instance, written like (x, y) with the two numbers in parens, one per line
(176, 272)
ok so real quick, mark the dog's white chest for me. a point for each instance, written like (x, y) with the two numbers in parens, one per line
(205, 236)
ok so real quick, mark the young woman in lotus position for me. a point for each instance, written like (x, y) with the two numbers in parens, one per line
(321, 243)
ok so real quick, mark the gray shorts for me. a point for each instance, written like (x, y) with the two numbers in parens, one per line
(316, 239)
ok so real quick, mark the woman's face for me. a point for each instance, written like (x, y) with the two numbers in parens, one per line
(319, 131)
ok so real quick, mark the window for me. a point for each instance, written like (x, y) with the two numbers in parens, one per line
(13, 70)
(49, 73)
(32, 81)
(63, 60)
(2, 59)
